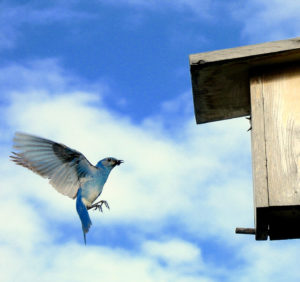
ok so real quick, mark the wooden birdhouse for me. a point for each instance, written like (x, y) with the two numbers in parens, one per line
(262, 81)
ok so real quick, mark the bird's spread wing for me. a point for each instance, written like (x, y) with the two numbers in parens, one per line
(66, 168)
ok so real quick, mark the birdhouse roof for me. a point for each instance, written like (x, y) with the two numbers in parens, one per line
(220, 79)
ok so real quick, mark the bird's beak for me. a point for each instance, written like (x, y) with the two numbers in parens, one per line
(118, 162)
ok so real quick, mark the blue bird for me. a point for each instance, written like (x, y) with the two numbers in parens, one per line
(69, 171)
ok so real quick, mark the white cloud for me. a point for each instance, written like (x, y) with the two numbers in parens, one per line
(261, 20)
(38, 77)
(266, 21)
(72, 262)
(269, 261)
(174, 252)
(14, 16)
(159, 173)
(194, 178)
(163, 177)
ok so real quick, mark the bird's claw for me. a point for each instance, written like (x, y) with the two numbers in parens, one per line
(99, 204)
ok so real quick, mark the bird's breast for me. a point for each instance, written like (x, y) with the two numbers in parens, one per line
(91, 191)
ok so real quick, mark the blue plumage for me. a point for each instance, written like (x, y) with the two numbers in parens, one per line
(70, 173)
(83, 214)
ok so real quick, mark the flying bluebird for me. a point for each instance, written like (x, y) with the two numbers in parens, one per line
(69, 171)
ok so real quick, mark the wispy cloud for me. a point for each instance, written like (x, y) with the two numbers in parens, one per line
(175, 253)
(13, 16)
(174, 193)
(261, 21)
(158, 165)
(265, 21)
(164, 177)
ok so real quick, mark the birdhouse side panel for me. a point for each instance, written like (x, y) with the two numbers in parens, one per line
(259, 160)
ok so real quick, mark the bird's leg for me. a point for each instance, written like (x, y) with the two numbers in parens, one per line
(98, 205)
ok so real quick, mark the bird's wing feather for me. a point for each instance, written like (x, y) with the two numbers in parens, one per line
(66, 168)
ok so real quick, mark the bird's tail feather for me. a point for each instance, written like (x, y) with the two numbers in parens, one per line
(83, 215)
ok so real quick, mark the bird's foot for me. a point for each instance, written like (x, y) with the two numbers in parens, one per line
(98, 205)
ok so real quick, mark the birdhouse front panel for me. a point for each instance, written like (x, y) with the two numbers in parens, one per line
(275, 108)
(276, 119)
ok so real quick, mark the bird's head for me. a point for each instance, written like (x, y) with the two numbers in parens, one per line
(109, 162)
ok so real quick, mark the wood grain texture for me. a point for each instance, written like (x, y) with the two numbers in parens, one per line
(220, 79)
(275, 108)
(281, 96)
(245, 51)
(258, 143)
(259, 160)
(220, 92)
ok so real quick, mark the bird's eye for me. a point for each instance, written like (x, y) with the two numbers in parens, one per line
(109, 159)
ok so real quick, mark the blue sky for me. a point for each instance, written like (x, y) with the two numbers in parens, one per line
(111, 78)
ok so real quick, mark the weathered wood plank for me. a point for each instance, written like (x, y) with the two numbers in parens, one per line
(259, 161)
(281, 100)
(258, 142)
(220, 79)
(245, 51)
(220, 92)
